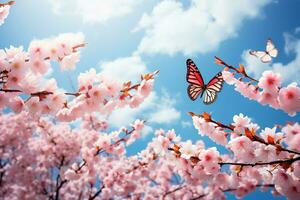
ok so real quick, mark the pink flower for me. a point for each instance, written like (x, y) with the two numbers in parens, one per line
(71, 175)
(16, 104)
(241, 146)
(269, 98)
(56, 101)
(17, 64)
(289, 99)
(3, 62)
(228, 77)
(282, 181)
(145, 87)
(270, 81)
(33, 105)
(30, 82)
(209, 159)
(240, 123)
(138, 125)
(269, 133)
(13, 52)
(4, 11)
(37, 50)
(86, 80)
(135, 101)
(187, 149)
(4, 99)
(265, 153)
(292, 136)
(38, 65)
(97, 94)
(296, 169)
(14, 80)
(69, 62)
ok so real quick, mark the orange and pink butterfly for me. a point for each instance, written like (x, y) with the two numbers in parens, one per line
(197, 86)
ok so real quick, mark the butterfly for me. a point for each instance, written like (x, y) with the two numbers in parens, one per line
(197, 86)
(266, 56)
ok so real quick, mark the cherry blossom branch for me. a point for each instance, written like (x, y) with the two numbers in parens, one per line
(2, 172)
(241, 70)
(10, 3)
(290, 161)
(250, 134)
(124, 139)
(74, 50)
(62, 182)
(97, 193)
(174, 190)
(43, 94)
(234, 189)
(101, 150)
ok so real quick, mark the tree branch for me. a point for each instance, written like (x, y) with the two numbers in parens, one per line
(221, 62)
(233, 189)
(261, 163)
(97, 193)
(10, 3)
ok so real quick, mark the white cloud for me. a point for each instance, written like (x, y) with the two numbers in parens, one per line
(155, 110)
(147, 130)
(164, 110)
(94, 11)
(124, 69)
(164, 115)
(186, 124)
(125, 116)
(200, 28)
(289, 72)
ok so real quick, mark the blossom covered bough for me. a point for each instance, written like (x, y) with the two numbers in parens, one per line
(43, 155)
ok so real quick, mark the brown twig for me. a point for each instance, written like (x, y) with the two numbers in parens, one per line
(97, 193)
(243, 72)
(254, 137)
(290, 161)
(10, 3)
(233, 189)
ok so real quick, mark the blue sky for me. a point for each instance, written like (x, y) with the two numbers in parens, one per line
(136, 36)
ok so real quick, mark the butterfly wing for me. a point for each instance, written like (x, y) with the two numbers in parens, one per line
(194, 77)
(266, 58)
(271, 49)
(194, 91)
(209, 96)
(262, 55)
(214, 85)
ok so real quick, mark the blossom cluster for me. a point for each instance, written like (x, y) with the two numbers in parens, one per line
(24, 73)
(45, 155)
(267, 90)
(4, 11)
(267, 159)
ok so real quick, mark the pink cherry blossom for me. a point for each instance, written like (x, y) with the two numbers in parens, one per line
(270, 81)
(68, 62)
(187, 149)
(292, 136)
(4, 11)
(289, 99)
(228, 77)
(240, 123)
(57, 144)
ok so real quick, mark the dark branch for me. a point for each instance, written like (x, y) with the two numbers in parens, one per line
(290, 161)
(97, 193)
(233, 189)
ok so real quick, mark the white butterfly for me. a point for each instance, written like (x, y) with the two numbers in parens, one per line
(266, 56)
